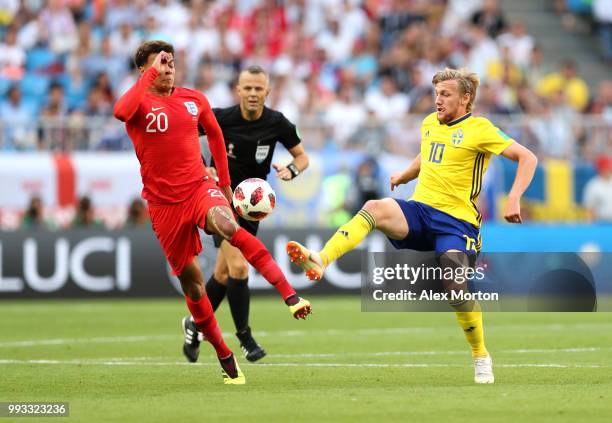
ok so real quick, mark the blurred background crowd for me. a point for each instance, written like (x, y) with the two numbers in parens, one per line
(352, 74)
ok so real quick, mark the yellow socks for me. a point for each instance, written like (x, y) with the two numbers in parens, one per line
(348, 236)
(471, 323)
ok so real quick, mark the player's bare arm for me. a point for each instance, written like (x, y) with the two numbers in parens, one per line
(298, 164)
(407, 175)
(527, 163)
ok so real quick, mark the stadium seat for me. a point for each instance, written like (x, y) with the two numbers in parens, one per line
(39, 58)
(34, 85)
(5, 84)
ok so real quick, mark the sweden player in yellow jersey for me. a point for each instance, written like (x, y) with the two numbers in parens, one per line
(442, 215)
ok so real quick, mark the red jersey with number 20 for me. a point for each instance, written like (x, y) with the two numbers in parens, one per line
(164, 131)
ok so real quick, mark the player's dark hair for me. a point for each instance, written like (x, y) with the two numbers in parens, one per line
(255, 70)
(151, 47)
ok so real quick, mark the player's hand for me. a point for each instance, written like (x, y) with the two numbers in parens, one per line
(396, 180)
(282, 172)
(512, 211)
(227, 192)
(213, 173)
(161, 61)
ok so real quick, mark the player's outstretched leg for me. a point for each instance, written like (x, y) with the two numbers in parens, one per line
(220, 220)
(384, 215)
(346, 238)
(205, 321)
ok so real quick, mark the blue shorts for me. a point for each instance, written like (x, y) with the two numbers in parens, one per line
(430, 229)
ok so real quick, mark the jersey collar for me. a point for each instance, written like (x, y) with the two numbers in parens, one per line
(461, 119)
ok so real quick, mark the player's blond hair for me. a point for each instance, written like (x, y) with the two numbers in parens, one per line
(468, 82)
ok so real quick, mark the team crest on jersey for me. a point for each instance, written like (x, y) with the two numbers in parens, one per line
(261, 153)
(191, 107)
(457, 137)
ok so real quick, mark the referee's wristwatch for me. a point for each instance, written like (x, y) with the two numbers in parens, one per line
(293, 169)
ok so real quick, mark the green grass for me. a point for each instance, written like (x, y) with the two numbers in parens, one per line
(340, 365)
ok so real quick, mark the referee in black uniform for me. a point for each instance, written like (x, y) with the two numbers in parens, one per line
(251, 131)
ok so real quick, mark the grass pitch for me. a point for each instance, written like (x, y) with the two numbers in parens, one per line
(121, 361)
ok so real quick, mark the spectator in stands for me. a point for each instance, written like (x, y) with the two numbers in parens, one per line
(519, 42)
(218, 92)
(483, 51)
(85, 217)
(345, 114)
(457, 14)
(598, 191)
(400, 15)
(122, 12)
(602, 12)
(387, 102)
(96, 105)
(57, 27)
(362, 63)
(535, 69)
(54, 133)
(138, 216)
(366, 185)
(566, 80)
(18, 121)
(104, 61)
(33, 217)
(124, 40)
(489, 102)
(420, 90)
(337, 44)
(371, 136)
(602, 104)
(12, 56)
(490, 18)
(174, 15)
(103, 83)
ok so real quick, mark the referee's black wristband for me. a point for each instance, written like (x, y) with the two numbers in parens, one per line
(293, 169)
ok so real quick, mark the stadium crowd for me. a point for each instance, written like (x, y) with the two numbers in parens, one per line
(341, 65)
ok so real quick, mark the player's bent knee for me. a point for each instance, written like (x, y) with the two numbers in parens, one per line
(192, 288)
(221, 222)
(239, 269)
(375, 208)
(381, 210)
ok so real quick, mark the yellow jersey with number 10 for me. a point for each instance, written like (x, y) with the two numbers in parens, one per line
(454, 157)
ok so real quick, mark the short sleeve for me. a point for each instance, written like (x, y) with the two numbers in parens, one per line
(290, 136)
(491, 139)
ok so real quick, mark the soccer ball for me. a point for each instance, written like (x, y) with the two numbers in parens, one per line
(254, 199)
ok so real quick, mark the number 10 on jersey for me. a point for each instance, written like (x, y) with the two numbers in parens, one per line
(436, 152)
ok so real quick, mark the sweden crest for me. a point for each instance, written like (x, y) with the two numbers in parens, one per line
(191, 107)
(457, 137)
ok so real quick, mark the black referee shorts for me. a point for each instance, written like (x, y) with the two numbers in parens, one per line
(249, 225)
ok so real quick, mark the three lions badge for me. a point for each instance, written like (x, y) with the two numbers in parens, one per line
(192, 108)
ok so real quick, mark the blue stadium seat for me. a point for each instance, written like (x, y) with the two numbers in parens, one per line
(35, 103)
(5, 84)
(39, 58)
(34, 85)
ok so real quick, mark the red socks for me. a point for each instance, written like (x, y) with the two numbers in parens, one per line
(205, 321)
(258, 256)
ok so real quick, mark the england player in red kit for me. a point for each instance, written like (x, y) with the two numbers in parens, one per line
(162, 122)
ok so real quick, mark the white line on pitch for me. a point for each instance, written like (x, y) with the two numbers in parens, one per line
(118, 362)
(449, 352)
